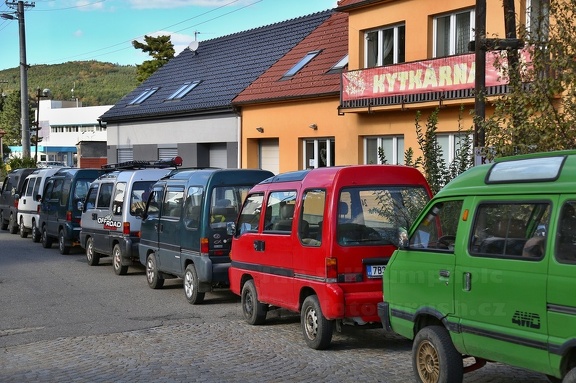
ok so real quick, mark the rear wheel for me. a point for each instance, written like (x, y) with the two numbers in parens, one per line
(46, 240)
(23, 231)
(254, 311)
(36, 235)
(316, 328)
(434, 357)
(119, 269)
(192, 286)
(155, 281)
(570, 376)
(12, 224)
(64, 249)
(92, 257)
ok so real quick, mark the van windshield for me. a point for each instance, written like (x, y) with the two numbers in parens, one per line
(225, 203)
(377, 215)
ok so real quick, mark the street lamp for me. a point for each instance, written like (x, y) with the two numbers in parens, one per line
(39, 93)
(24, 119)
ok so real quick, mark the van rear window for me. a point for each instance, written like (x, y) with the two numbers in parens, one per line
(376, 215)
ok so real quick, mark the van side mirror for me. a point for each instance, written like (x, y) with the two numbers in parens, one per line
(80, 205)
(403, 241)
(230, 228)
(38, 198)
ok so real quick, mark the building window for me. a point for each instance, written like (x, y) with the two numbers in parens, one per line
(319, 153)
(393, 147)
(538, 19)
(385, 46)
(183, 90)
(300, 64)
(339, 66)
(143, 96)
(453, 32)
(451, 145)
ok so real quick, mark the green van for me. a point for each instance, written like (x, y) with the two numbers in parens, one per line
(183, 232)
(488, 272)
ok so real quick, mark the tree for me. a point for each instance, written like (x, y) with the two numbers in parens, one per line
(160, 48)
(10, 119)
(539, 112)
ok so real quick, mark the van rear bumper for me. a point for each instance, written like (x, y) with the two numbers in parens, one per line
(209, 271)
(360, 306)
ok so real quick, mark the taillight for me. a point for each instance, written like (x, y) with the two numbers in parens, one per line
(204, 246)
(38, 209)
(126, 228)
(16, 203)
(331, 270)
(69, 216)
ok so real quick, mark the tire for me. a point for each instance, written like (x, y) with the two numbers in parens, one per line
(254, 312)
(570, 377)
(62, 243)
(12, 224)
(434, 357)
(155, 281)
(92, 257)
(119, 269)
(36, 234)
(46, 240)
(316, 328)
(22, 229)
(192, 286)
(3, 224)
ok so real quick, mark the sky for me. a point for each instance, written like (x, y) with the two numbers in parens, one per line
(103, 30)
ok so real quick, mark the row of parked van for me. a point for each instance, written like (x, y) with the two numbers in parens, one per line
(483, 270)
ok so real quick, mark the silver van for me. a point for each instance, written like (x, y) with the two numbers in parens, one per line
(110, 221)
(29, 204)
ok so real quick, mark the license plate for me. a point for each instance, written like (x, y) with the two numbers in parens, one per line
(375, 271)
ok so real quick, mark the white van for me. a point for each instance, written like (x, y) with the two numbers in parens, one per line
(111, 212)
(29, 203)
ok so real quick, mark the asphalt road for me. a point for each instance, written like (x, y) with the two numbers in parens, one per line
(63, 321)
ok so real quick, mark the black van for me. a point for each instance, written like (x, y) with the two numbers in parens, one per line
(11, 191)
(59, 213)
(183, 231)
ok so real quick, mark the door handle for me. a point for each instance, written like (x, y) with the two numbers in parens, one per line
(259, 245)
(444, 273)
(467, 281)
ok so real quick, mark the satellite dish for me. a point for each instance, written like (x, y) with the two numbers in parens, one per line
(193, 45)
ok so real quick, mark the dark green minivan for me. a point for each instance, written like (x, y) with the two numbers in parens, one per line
(59, 214)
(183, 231)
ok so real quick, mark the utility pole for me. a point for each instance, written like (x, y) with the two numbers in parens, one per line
(24, 109)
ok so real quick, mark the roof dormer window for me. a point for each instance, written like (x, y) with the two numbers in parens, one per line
(183, 90)
(300, 64)
(143, 96)
(339, 66)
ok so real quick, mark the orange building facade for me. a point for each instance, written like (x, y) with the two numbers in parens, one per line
(401, 57)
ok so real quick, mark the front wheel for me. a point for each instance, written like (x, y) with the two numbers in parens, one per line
(434, 357)
(91, 256)
(23, 231)
(36, 235)
(12, 224)
(316, 328)
(155, 281)
(62, 243)
(119, 269)
(570, 377)
(46, 240)
(192, 286)
(254, 312)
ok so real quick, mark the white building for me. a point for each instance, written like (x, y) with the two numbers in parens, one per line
(63, 124)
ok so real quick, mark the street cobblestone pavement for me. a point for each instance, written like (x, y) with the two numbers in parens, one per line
(225, 351)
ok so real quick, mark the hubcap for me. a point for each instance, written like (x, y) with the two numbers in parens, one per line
(90, 253)
(311, 323)
(428, 363)
(188, 284)
(150, 270)
(117, 262)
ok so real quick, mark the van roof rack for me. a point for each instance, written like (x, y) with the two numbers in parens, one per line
(132, 165)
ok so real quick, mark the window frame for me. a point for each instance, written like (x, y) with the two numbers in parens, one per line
(330, 143)
(452, 38)
(301, 64)
(397, 149)
(395, 47)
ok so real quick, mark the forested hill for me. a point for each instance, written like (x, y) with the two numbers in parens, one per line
(94, 83)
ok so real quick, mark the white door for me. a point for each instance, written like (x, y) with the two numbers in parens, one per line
(218, 156)
(270, 155)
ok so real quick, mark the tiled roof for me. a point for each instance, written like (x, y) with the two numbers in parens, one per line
(331, 39)
(225, 66)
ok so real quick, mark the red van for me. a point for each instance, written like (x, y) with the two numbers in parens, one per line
(317, 241)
